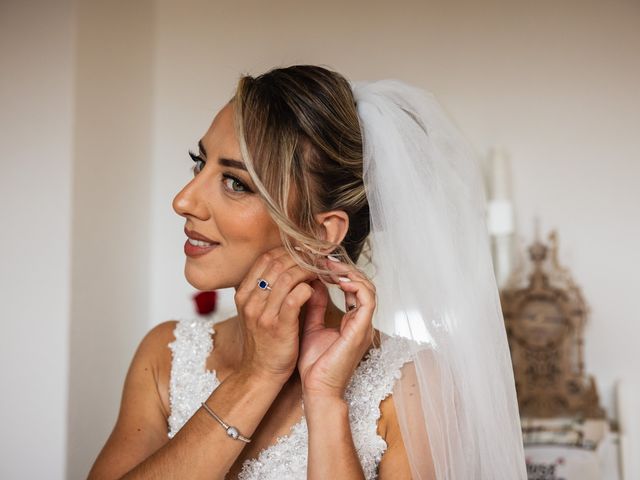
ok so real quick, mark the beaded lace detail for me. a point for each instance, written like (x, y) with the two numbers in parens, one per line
(371, 383)
(190, 382)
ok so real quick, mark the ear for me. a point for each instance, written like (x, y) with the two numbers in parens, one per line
(334, 225)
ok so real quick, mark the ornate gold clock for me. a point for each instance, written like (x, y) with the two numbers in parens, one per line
(545, 315)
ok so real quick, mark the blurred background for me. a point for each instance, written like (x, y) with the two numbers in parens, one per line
(100, 100)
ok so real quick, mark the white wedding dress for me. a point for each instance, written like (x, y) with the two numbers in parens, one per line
(371, 383)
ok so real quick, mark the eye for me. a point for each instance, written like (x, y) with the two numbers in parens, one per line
(199, 162)
(234, 184)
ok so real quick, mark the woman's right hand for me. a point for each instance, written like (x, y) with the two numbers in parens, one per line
(269, 318)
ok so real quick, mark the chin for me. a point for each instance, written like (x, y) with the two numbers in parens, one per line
(207, 279)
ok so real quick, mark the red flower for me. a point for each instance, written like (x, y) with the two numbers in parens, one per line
(206, 302)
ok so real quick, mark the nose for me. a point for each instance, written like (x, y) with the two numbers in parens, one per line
(189, 201)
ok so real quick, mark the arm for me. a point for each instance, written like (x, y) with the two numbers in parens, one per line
(202, 449)
(328, 358)
(332, 453)
(395, 463)
(139, 447)
(327, 361)
(331, 448)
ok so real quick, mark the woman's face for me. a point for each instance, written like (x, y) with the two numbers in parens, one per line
(220, 203)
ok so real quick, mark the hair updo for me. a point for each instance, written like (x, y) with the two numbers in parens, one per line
(301, 140)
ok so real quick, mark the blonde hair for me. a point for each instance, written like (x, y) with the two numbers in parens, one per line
(301, 141)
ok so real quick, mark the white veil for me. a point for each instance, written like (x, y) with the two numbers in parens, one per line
(436, 287)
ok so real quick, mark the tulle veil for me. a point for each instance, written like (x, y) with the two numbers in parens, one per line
(430, 253)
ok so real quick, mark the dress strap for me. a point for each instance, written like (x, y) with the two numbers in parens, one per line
(190, 382)
(372, 382)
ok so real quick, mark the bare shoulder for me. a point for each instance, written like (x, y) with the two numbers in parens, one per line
(141, 427)
(395, 462)
(154, 346)
(388, 423)
(152, 361)
(157, 341)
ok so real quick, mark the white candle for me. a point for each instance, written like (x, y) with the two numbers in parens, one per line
(500, 218)
(500, 178)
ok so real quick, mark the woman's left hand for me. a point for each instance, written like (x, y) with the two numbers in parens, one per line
(329, 356)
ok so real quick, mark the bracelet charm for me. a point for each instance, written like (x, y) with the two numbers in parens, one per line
(232, 431)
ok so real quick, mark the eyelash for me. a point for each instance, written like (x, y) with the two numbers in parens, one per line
(226, 176)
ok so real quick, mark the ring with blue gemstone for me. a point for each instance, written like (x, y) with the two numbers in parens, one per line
(263, 284)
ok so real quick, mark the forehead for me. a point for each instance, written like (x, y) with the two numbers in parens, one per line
(221, 135)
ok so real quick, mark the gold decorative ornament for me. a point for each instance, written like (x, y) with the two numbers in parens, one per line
(545, 315)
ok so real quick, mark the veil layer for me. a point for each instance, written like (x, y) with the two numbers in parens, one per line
(456, 400)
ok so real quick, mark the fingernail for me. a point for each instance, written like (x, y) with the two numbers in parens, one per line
(344, 279)
(333, 258)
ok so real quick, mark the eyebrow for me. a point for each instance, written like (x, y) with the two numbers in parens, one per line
(227, 162)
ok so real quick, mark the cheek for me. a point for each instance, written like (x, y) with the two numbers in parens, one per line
(248, 231)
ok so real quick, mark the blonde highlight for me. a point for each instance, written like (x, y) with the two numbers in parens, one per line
(301, 142)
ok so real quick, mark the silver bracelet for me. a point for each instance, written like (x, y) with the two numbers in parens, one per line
(231, 431)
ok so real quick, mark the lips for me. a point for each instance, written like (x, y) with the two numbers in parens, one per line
(197, 236)
(198, 250)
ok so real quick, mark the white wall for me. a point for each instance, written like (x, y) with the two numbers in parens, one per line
(75, 125)
(36, 110)
(112, 172)
(555, 83)
(99, 102)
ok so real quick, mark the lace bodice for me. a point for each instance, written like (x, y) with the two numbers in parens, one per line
(371, 383)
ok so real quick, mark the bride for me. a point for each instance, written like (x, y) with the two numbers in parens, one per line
(302, 181)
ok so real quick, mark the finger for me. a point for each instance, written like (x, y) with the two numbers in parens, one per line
(350, 300)
(316, 307)
(345, 273)
(249, 299)
(359, 321)
(277, 266)
(258, 268)
(283, 285)
(341, 269)
(292, 304)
